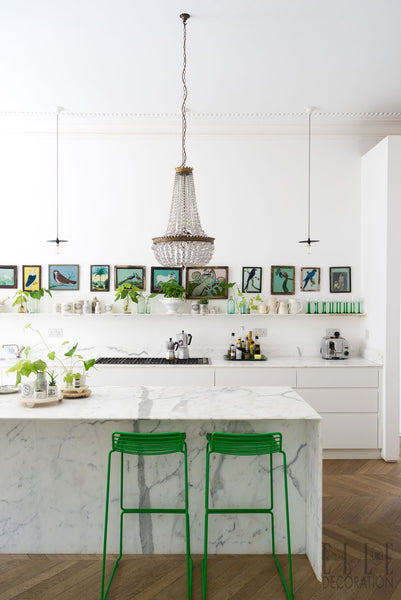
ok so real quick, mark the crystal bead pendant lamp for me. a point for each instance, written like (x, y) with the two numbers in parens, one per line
(57, 241)
(308, 241)
(184, 243)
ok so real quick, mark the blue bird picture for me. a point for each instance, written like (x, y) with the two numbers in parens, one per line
(310, 279)
(31, 278)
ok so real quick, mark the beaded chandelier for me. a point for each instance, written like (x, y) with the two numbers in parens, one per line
(184, 243)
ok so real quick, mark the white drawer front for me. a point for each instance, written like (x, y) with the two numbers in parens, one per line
(349, 431)
(342, 400)
(337, 377)
(153, 376)
(255, 376)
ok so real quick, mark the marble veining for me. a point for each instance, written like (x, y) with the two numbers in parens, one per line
(54, 462)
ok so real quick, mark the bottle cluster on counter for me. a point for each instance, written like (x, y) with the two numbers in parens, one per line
(244, 347)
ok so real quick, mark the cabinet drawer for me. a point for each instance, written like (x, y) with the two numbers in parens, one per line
(168, 375)
(342, 400)
(255, 376)
(349, 431)
(338, 377)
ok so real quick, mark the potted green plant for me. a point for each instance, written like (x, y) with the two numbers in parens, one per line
(203, 306)
(174, 295)
(75, 361)
(24, 368)
(52, 389)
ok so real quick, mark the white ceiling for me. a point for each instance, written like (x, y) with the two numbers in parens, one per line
(255, 56)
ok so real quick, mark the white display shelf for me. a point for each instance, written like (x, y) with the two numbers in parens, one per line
(151, 315)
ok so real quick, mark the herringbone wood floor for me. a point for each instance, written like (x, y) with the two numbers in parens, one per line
(362, 555)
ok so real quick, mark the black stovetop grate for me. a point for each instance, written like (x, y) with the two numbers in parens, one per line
(142, 360)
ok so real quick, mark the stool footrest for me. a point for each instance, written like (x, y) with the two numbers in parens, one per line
(239, 510)
(177, 511)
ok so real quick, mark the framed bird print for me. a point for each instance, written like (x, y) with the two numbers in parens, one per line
(207, 282)
(310, 279)
(162, 275)
(340, 279)
(8, 277)
(31, 278)
(134, 275)
(63, 277)
(251, 280)
(282, 280)
(100, 278)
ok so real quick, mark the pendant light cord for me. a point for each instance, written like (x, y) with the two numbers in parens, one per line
(184, 17)
(309, 146)
(57, 176)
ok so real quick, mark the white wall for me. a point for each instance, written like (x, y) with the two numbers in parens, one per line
(115, 192)
(381, 275)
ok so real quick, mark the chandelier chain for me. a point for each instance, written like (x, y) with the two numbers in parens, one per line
(184, 101)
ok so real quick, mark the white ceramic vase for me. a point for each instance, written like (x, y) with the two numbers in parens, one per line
(172, 305)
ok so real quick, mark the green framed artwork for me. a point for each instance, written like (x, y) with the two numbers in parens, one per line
(282, 280)
(207, 282)
(130, 274)
(8, 276)
(100, 278)
(63, 277)
(162, 275)
(31, 278)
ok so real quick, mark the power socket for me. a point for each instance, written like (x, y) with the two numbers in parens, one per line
(55, 332)
(331, 331)
(260, 332)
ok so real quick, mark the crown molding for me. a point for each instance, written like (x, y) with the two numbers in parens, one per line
(295, 123)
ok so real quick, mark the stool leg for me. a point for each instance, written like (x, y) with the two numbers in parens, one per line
(188, 539)
(106, 517)
(204, 559)
(287, 514)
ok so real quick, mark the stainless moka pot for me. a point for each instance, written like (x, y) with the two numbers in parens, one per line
(184, 340)
(171, 347)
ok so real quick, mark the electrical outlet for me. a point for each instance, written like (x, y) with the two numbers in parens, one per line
(331, 331)
(260, 331)
(55, 332)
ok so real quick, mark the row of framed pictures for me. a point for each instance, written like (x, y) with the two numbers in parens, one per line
(200, 281)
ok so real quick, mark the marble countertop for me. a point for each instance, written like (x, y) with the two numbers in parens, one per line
(169, 403)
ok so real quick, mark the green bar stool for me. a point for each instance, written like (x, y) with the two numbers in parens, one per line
(145, 444)
(240, 444)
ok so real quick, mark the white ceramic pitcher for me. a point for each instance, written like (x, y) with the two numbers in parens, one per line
(295, 306)
(273, 305)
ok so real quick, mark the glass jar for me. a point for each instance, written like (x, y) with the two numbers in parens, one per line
(230, 306)
(140, 307)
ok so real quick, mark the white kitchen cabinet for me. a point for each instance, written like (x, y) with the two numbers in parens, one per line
(348, 399)
(255, 376)
(334, 377)
(153, 376)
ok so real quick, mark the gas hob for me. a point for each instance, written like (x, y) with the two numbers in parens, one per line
(128, 360)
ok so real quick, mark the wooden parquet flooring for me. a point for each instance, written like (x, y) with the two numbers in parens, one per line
(362, 555)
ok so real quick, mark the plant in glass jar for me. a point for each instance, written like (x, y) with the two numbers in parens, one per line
(30, 297)
(253, 302)
(52, 384)
(129, 293)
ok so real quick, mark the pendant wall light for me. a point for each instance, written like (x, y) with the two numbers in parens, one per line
(308, 241)
(57, 241)
(184, 243)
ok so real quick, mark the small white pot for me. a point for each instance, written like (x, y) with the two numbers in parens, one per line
(173, 305)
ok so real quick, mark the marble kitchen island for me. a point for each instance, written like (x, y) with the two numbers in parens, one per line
(54, 460)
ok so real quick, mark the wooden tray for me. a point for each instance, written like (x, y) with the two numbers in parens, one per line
(35, 402)
(82, 392)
